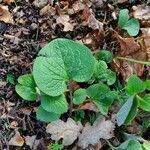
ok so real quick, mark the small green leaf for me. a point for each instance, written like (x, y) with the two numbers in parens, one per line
(147, 82)
(132, 27)
(135, 85)
(79, 96)
(146, 146)
(26, 87)
(100, 94)
(104, 55)
(130, 145)
(101, 73)
(56, 105)
(124, 111)
(46, 116)
(10, 79)
(59, 61)
(123, 17)
(144, 103)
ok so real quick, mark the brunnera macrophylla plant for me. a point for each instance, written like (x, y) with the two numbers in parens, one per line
(58, 64)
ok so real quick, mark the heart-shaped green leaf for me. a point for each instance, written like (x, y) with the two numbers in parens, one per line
(100, 95)
(56, 105)
(79, 96)
(59, 61)
(27, 87)
(132, 27)
(135, 85)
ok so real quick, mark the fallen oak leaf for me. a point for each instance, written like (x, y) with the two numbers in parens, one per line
(5, 15)
(16, 140)
(68, 131)
(101, 129)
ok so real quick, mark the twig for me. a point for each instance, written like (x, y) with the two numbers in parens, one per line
(71, 98)
(134, 61)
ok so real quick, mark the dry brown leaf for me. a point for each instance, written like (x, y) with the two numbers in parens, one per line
(141, 12)
(101, 129)
(146, 38)
(5, 15)
(129, 49)
(90, 20)
(89, 106)
(16, 140)
(68, 131)
(64, 20)
(8, 1)
(48, 9)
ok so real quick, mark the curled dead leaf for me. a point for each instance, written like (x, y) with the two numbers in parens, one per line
(101, 129)
(8, 1)
(68, 131)
(5, 15)
(40, 3)
(16, 140)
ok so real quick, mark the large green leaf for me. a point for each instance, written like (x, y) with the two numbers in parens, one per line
(59, 61)
(144, 103)
(79, 96)
(132, 27)
(130, 145)
(100, 94)
(46, 116)
(26, 87)
(146, 146)
(124, 111)
(123, 17)
(135, 85)
(56, 105)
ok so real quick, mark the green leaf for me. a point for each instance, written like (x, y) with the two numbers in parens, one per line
(79, 96)
(144, 103)
(103, 74)
(132, 27)
(135, 85)
(104, 55)
(59, 61)
(26, 87)
(123, 17)
(46, 116)
(56, 105)
(130, 145)
(124, 111)
(10, 79)
(146, 146)
(147, 82)
(100, 96)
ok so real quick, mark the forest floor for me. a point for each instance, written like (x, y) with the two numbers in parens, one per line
(26, 26)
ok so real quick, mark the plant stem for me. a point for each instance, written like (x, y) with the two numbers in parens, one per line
(111, 146)
(71, 99)
(133, 60)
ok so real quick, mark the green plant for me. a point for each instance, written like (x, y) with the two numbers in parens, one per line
(132, 25)
(135, 89)
(55, 146)
(58, 64)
